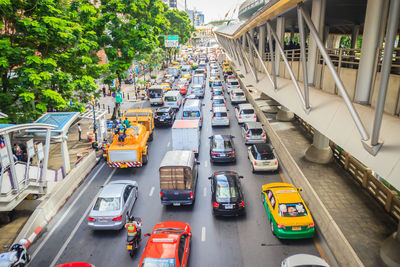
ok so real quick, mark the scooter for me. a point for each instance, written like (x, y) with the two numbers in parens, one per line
(132, 244)
(17, 256)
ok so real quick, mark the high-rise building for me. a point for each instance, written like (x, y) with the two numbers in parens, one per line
(175, 4)
(196, 17)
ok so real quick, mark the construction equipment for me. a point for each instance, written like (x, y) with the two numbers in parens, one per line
(142, 116)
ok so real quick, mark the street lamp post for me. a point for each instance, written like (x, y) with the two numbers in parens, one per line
(93, 102)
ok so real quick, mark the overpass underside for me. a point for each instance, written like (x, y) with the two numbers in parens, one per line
(290, 51)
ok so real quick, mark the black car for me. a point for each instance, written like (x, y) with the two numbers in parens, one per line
(164, 116)
(226, 194)
(222, 148)
(227, 73)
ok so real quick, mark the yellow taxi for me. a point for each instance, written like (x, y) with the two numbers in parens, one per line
(187, 76)
(226, 68)
(176, 65)
(287, 213)
(165, 86)
(225, 64)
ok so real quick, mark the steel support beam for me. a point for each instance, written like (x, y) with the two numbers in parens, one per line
(303, 58)
(239, 50)
(239, 59)
(338, 81)
(262, 63)
(247, 60)
(391, 32)
(296, 84)
(14, 177)
(253, 63)
(46, 155)
(272, 54)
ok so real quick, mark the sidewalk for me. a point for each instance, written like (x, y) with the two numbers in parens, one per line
(362, 220)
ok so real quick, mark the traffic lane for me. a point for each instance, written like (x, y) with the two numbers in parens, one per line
(59, 228)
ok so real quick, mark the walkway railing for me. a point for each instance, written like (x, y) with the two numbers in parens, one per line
(364, 176)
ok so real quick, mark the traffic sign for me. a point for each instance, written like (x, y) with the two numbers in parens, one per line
(118, 98)
(171, 40)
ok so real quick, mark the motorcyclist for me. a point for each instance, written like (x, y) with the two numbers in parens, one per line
(133, 227)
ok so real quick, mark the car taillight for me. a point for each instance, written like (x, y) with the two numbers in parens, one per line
(117, 219)
(281, 226)
(241, 204)
(177, 102)
(90, 219)
(227, 117)
(163, 102)
(310, 225)
(255, 163)
(263, 135)
(255, 116)
(231, 153)
(240, 117)
(247, 135)
(213, 154)
(215, 204)
(200, 118)
(212, 117)
(161, 194)
(191, 195)
(276, 163)
(224, 104)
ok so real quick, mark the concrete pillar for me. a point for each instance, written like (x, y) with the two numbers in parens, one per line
(261, 40)
(43, 175)
(390, 249)
(320, 151)
(280, 32)
(318, 18)
(284, 114)
(374, 20)
(354, 35)
(65, 155)
(326, 35)
(249, 49)
(292, 33)
(244, 42)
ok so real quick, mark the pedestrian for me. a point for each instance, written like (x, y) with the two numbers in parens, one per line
(104, 91)
(79, 132)
(18, 152)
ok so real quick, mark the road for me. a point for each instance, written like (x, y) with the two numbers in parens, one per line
(238, 241)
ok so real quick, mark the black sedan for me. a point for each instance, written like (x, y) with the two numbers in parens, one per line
(164, 116)
(222, 148)
(226, 194)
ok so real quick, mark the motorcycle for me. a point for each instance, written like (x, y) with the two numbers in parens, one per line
(132, 243)
(17, 256)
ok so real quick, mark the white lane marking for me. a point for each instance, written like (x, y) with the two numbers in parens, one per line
(203, 234)
(151, 191)
(62, 219)
(53, 263)
(205, 163)
(205, 191)
(169, 143)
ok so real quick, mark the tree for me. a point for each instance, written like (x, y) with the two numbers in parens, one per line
(130, 29)
(47, 56)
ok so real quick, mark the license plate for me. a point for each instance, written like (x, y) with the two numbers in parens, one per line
(296, 228)
(129, 247)
(102, 220)
(266, 163)
(161, 119)
(222, 155)
(176, 204)
(229, 206)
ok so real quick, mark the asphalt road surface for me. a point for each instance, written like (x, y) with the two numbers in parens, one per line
(237, 241)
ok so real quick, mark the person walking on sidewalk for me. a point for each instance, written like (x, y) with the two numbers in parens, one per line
(79, 132)
(104, 91)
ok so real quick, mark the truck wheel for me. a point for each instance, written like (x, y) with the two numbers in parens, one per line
(145, 158)
(150, 137)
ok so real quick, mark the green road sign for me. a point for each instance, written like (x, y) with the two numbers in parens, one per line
(171, 40)
(118, 98)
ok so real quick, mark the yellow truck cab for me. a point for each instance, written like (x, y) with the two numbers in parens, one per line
(132, 152)
(142, 116)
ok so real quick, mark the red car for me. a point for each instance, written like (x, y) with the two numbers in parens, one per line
(168, 245)
(182, 88)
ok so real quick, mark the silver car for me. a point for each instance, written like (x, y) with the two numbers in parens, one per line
(237, 96)
(304, 260)
(253, 133)
(219, 116)
(218, 101)
(198, 90)
(115, 200)
(232, 84)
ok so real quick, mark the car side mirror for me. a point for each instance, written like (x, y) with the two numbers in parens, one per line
(209, 137)
(210, 110)
(203, 105)
(147, 235)
(232, 136)
(198, 162)
(209, 178)
(240, 177)
(299, 189)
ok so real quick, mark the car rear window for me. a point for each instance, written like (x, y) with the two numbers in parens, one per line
(292, 210)
(247, 111)
(233, 83)
(107, 204)
(226, 191)
(220, 114)
(218, 93)
(239, 94)
(265, 156)
(191, 114)
(170, 98)
(218, 101)
(221, 144)
(256, 131)
(151, 262)
(217, 84)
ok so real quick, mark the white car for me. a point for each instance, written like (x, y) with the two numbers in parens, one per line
(218, 101)
(304, 260)
(245, 113)
(253, 133)
(219, 116)
(237, 96)
(231, 85)
(262, 158)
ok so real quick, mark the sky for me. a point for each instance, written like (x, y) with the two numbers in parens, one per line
(214, 9)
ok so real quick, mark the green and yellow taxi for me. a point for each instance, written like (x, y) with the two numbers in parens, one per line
(187, 76)
(212, 78)
(195, 66)
(287, 213)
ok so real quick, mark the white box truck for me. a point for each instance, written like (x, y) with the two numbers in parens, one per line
(186, 135)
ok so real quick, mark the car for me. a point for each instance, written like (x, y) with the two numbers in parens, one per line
(168, 245)
(217, 92)
(212, 78)
(187, 76)
(226, 194)
(115, 200)
(184, 81)
(227, 73)
(164, 116)
(219, 116)
(222, 148)
(215, 72)
(195, 66)
(216, 84)
(303, 260)
(237, 96)
(232, 84)
(262, 158)
(198, 90)
(245, 113)
(253, 133)
(287, 213)
(182, 88)
(75, 264)
(218, 101)
(166, 86)
(191, 96)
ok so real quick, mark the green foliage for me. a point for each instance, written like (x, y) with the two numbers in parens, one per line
(179, 25)
(345, 42)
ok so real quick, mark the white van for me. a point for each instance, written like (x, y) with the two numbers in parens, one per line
(156, 94)
(192, 110)
(219, 116)
(172, 99)
(245, 113)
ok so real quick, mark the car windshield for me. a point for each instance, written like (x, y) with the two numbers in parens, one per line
(218, 101)
(238, 94)
(292, 210)
(256, 131)
(221, 144)
(151, 262)
(247, 111)
(170, 98)
(226, 190)
(265, 156)
(217, 84)
(233, 83)
(191, 114)
(220, 114)
(218, 93)
(161, 113)
(107, 204)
